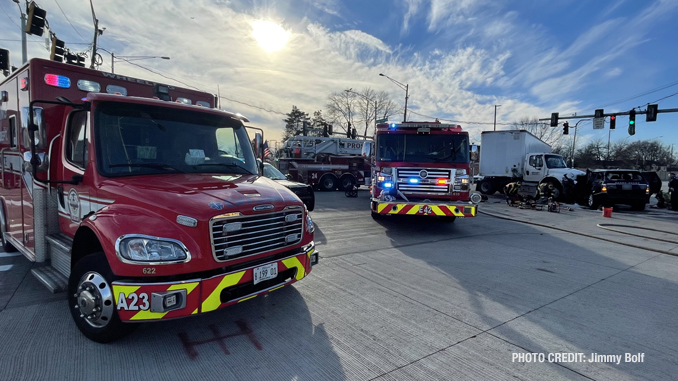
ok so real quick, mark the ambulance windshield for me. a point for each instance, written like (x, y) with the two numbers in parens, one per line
(141, 140)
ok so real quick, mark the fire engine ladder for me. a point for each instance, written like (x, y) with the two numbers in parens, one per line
(54, 275)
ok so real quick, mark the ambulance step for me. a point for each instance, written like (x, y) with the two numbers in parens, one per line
(60, 252)
(51, 278)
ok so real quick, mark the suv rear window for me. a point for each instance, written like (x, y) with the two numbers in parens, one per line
(623, 176)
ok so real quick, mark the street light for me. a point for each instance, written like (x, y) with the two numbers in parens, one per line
(128, 58)
(495, 116)
(405, 87)
(368, 105)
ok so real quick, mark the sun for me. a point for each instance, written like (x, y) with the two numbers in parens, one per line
(270, 36)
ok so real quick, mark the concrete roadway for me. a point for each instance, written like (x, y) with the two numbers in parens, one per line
(398, 299)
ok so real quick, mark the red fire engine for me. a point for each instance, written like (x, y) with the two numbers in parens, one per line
(421, 168)
(140, 200)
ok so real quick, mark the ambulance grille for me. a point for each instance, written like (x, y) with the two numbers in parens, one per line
(426, 185)
(238, 237)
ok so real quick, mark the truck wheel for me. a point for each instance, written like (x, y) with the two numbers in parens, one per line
(449, 219)
(593, 202)
(346, 182)
(556, 191)
(92, 303)
(328, 183)
(376, 216)
(8, 247)
(486, 187)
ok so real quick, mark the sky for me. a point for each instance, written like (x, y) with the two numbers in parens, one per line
(460, 58)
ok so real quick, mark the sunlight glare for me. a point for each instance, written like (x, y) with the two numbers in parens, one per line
(270, 36)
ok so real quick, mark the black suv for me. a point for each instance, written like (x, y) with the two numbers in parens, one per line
(608, 187)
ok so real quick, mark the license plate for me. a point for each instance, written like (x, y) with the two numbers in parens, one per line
(265, 272)
(627, 187)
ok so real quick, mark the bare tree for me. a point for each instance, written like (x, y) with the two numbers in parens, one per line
(346, 108)
(339, 108)
(549, 135)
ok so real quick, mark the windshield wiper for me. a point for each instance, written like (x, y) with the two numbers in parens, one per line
(225, 165)
(147, 165)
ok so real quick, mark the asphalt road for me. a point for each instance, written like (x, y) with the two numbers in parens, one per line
(403, 298)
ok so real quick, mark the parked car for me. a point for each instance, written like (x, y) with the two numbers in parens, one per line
(609, 187)
(303, 191)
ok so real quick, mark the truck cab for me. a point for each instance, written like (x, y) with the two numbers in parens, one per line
(142, 202)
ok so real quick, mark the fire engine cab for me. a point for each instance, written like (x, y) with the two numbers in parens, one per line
(421, 168)
(139, 199)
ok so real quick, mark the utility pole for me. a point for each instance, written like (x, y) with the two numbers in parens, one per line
(96, 35)
(495, 116)
(24, 54)
(407, 88)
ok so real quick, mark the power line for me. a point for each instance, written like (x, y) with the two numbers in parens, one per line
(459, 121)
(249, 105)
(641, 94)
(69, 21)
(10, 19)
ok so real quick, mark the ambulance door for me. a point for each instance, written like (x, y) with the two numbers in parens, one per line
(74, 199)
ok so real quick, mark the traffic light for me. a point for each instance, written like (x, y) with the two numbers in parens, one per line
(613, 122)
(554, 119)
(651, 115)
(36, 20)
(305, 127)
(4, 60)
(348, 131)
(329, 130)
(566, 128)
(325, 129)
(57, 53)
(74, 59)
(632, 122)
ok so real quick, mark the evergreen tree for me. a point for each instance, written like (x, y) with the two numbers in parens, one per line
(294, 123)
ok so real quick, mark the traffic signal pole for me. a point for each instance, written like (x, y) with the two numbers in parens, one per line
(643, 112)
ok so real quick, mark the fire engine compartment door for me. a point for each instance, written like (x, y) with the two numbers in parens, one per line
(74, 200)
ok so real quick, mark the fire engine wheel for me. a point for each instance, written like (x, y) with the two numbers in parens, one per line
(593, 202)
(92, 303)
(346, 182)
(8, 247)
(328, 183)
(376, 216)
(449, 219)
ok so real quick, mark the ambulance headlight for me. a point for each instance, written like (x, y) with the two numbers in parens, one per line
(310, 226)
(139, 248)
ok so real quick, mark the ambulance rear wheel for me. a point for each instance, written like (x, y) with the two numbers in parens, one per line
(92, 302)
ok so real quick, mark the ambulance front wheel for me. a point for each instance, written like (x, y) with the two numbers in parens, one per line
(92, 303)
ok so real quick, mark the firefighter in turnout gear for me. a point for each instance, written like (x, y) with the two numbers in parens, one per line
(544, 191)
(511, 193)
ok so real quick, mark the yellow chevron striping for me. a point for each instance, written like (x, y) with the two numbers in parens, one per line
(117, 289)
(194, 312)
(399, 206)
(279, 287)
(294, 262)
(414, 210)
(148, 315)
(213, 301)
(381, 207)
(437, 211)
(184, 286)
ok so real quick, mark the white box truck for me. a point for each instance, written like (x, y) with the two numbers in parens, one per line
(507, 156)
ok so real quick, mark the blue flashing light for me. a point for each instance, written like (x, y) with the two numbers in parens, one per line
(393, 125)
(58, 81)
(388, 185)
(414, 181)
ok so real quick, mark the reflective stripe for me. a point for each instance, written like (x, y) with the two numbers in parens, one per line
(123, 289)
(381, 207)
(213, 301)
(243, 299)
(294, 262)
